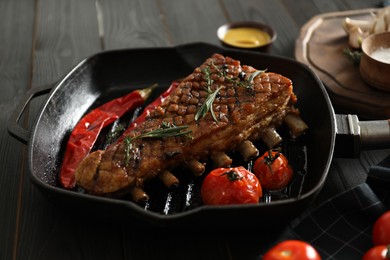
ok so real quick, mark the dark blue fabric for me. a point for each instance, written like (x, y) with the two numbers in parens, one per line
(341, 227)
(379, 175)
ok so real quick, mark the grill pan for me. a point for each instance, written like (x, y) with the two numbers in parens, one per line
(110, 74)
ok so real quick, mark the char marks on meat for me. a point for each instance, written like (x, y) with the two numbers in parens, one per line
(249, 105)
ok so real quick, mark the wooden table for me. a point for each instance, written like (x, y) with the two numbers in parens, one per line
(43, 39)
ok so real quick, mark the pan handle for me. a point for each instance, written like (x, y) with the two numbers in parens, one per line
(14, 128)
(354, 136)
(375, 134)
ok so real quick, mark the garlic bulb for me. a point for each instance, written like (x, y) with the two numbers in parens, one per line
(357, 30)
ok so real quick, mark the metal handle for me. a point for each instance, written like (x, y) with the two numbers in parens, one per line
(17, 131)
(375, 134)
(353, 135)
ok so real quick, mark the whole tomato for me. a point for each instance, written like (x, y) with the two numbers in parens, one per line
(377, 253)
(273, 171)
(292, 250)
(224, 186)
(381, 230)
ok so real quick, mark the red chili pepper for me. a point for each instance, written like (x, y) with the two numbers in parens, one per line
(85, 133)
(152, 106)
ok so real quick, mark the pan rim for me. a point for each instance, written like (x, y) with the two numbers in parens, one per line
(180, 215)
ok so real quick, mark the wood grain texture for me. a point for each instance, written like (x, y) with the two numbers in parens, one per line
(183, 20)
(171, 244)
(295, 10)
(68, 31)
(132, 24)
(347, 173)
(65, 33)
(69, 236)
(351, 4)
(15, 65)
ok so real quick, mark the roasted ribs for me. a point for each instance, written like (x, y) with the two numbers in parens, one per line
(222, 106)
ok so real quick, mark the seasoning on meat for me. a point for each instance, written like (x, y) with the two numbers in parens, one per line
(223, 105)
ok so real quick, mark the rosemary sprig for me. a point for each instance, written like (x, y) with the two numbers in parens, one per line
(207, 74)
(354, 56)
(246, 83)
(166, 130)
(249, 81)
(128, 148)
(114, 133)
(211, 95)
(208, 105)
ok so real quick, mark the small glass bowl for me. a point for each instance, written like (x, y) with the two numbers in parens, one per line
(266, 47)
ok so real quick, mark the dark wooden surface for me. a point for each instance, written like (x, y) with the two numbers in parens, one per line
(42, 40)
(344, 83)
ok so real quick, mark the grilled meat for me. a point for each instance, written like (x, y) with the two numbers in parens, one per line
(222, 106)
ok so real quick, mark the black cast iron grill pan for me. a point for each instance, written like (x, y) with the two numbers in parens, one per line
(110, 74)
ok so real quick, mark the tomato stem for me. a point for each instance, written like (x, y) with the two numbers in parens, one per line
(269, 159)
(232, 175)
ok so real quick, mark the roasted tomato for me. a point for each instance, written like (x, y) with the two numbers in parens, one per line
(381, 230)
(273, 171)
(224, 186)
(377, 253)
(291, 250)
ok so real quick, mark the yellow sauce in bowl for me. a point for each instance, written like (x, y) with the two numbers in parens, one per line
(246, 37)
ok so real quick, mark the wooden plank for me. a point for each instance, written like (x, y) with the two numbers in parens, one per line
(66, 32)
(132, 24)
(181, 20)
(174, 244)
(294, 8)
(77, 238)
(345, 174)
(15, 62)
(351, 4)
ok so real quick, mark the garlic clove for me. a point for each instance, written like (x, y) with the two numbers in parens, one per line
(355, 38)
(350, 24)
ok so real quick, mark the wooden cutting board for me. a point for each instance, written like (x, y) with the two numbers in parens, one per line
(321, 46)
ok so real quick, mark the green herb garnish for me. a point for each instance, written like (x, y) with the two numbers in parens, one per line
(166, 130)
(249, 81)
(246, 83)
(128, 148)
(208, 105)
(211, 95)
(207, 74)
(354, 56)
(114, 134)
